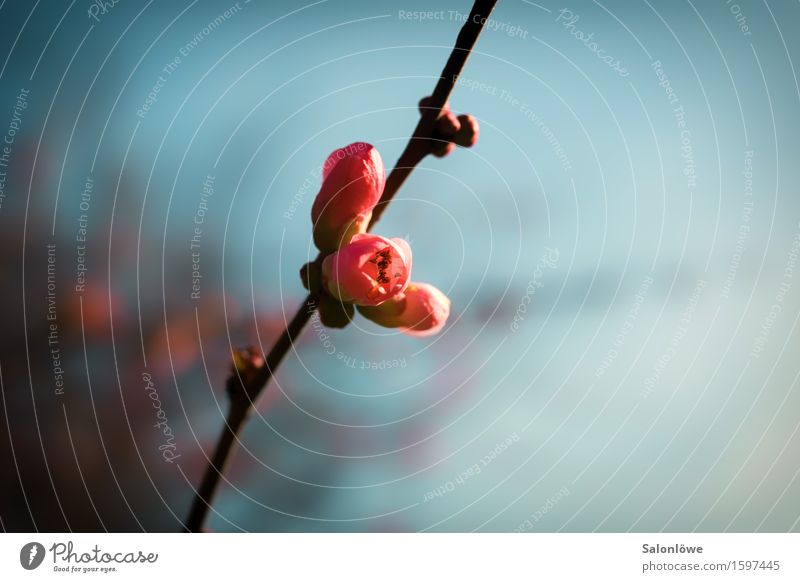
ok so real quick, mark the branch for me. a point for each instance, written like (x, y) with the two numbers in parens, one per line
(244, 391)
(419, 145)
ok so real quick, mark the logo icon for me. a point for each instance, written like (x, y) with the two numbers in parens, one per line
(31, 555)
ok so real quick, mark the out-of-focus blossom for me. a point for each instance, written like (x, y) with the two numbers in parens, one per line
(352, 183)
(421, 310)
(369, 270)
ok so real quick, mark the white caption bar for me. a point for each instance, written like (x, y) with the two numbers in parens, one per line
(352, 557)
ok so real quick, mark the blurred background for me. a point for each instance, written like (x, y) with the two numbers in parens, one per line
(621, 250)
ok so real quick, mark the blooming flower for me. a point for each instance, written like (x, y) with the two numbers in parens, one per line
(421, 310)
(352, 183)
(369, 270)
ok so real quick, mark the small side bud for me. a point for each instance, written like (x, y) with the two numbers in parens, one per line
(246, 364)
(467, 134)
(450, 129)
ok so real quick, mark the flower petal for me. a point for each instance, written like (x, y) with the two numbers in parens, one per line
(369, 270)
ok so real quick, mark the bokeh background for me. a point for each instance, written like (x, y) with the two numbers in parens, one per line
(621, 250)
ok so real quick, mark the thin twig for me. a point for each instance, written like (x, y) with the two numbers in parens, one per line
(244, 392)
(420, 145)
(243, 397)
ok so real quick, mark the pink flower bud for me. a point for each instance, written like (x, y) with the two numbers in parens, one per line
(421, 310)
(369, 270)
(426, 312)
(352, 183)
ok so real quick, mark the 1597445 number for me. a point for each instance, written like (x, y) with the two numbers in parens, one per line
(757, 565)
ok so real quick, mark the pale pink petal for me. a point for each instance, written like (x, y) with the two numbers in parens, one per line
(426, 311)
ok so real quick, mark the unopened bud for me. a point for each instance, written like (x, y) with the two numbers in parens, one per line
(467, 134)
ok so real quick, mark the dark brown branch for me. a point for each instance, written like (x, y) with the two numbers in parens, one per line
(419, 145)
(236, 417)
(244, 392)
